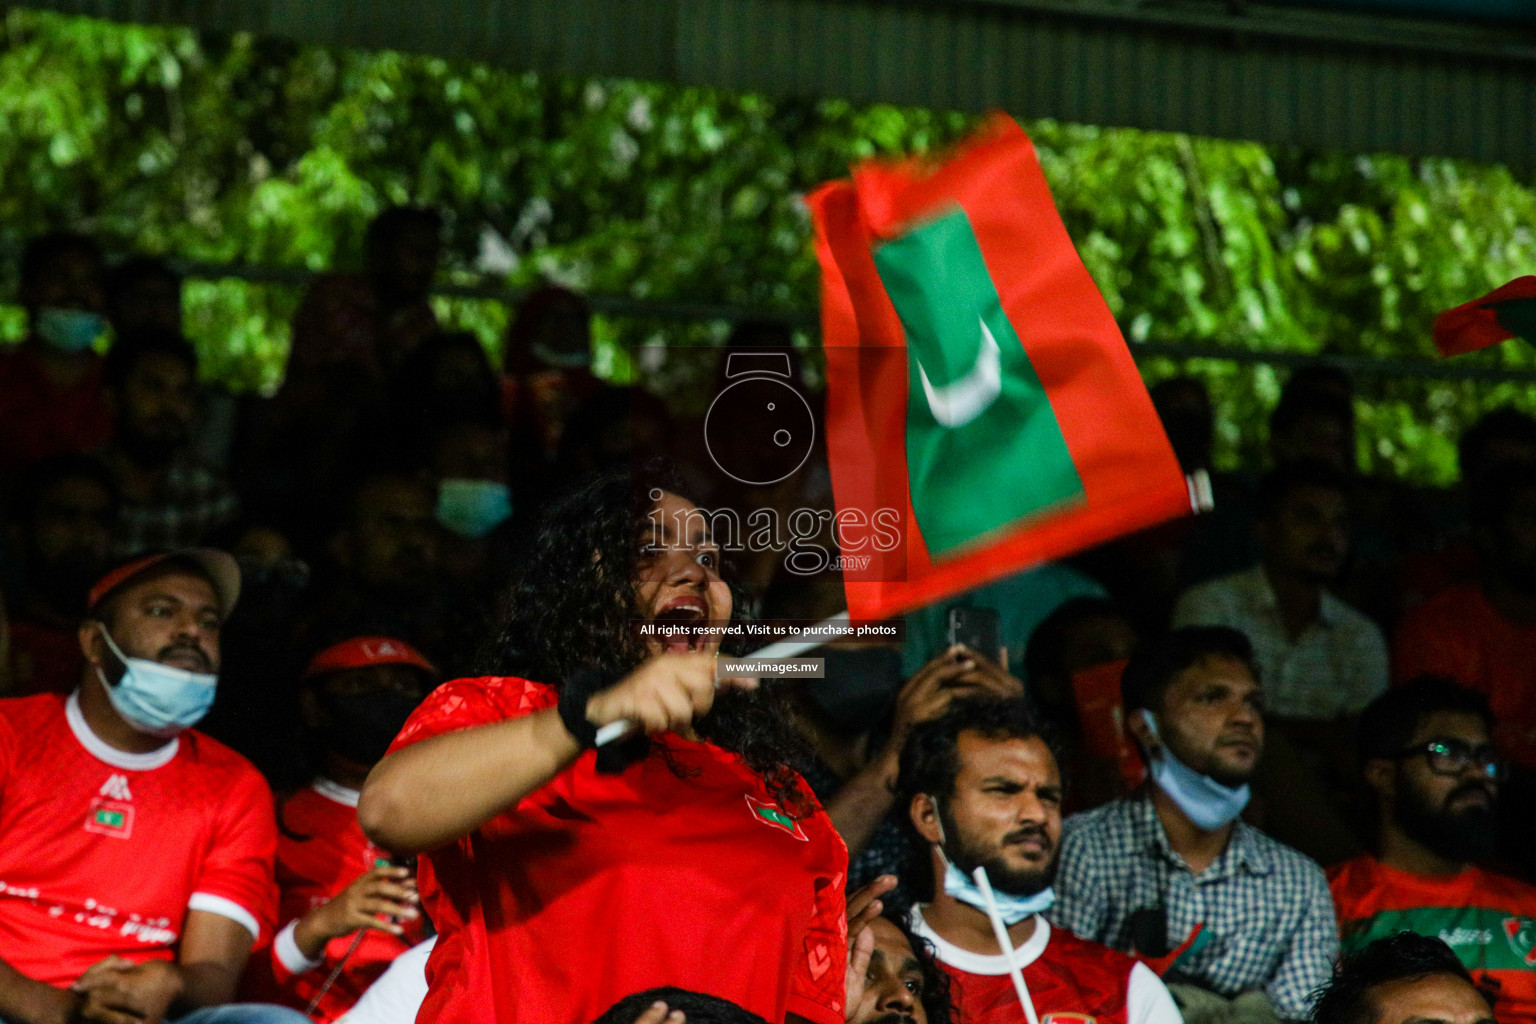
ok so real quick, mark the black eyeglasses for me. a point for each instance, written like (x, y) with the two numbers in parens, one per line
(1452, 757)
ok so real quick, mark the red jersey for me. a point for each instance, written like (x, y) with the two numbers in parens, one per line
(103, 852)
(1070, 981)
(1458, 634)
(599, 886)
(1489, 920)
(321, 850)
(39, 419)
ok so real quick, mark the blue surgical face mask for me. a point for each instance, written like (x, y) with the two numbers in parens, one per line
(1010, 907)
(1206, 802)
(157, 699)
(473, 508)
(68, 330)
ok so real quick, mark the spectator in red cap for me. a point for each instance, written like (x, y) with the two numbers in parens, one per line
(347, 910)
(136, 852)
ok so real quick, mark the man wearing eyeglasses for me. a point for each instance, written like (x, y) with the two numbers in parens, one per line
(1428, 758)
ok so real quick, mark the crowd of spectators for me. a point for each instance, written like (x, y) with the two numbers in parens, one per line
(1305, 722)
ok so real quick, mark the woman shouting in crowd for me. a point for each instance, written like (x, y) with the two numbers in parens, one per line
(559, 885)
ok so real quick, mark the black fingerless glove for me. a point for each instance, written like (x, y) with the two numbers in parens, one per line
(579, 687)
(614, 757)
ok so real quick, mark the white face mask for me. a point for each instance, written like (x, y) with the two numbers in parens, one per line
(1010, 907)
(157, 699)
(1206, 802)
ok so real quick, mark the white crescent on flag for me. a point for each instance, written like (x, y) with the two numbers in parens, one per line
(963, 399)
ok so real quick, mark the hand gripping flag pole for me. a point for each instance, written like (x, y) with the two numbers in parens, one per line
(1005, 944)
(781, 649)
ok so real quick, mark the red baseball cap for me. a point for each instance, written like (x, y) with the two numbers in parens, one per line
(364, 651)
(221, 569)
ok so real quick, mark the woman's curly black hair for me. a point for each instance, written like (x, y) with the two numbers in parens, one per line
(573, 606)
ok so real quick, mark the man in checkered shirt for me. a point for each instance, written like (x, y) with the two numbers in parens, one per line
(1145, 872)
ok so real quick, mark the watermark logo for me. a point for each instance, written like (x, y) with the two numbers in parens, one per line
(759, 429)
(748, 421)
(812, 540)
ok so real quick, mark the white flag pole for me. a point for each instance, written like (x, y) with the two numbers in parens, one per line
(1006, 944)
(1201, 497)
(779, 649)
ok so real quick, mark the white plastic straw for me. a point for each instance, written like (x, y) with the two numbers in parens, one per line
(1006, 944)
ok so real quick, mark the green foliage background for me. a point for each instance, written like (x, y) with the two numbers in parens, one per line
(237, 149)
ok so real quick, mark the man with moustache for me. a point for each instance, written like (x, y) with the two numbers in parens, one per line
(1429, 761)
(982, 789)
(1171, 871)
(136, 852)
(1320, 659)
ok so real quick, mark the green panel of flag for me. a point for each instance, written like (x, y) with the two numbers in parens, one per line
(109, 819)
(983, 447)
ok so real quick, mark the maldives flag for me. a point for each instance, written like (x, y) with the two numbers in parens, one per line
(1504, 313)
(983, 412)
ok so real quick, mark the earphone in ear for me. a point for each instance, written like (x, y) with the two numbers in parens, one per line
(938, 819)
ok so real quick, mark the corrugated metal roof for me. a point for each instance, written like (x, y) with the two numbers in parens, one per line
(1272, 73)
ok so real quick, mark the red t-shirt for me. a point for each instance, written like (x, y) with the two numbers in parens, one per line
(1487, 919)
(1458, 634)
(39, 419)
(321, 850)
(599, 886)
(103, 852)
(1070, 981)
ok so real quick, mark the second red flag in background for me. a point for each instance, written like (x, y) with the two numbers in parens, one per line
(1508, 311)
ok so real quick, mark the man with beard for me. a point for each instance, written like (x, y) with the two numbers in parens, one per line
(1319, 658)
(1171, 871)
(1428, 759)
(982, 789)
(136, 851)
(64, 514)
(168, 499)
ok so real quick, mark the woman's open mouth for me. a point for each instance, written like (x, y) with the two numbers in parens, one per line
(682, 625)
